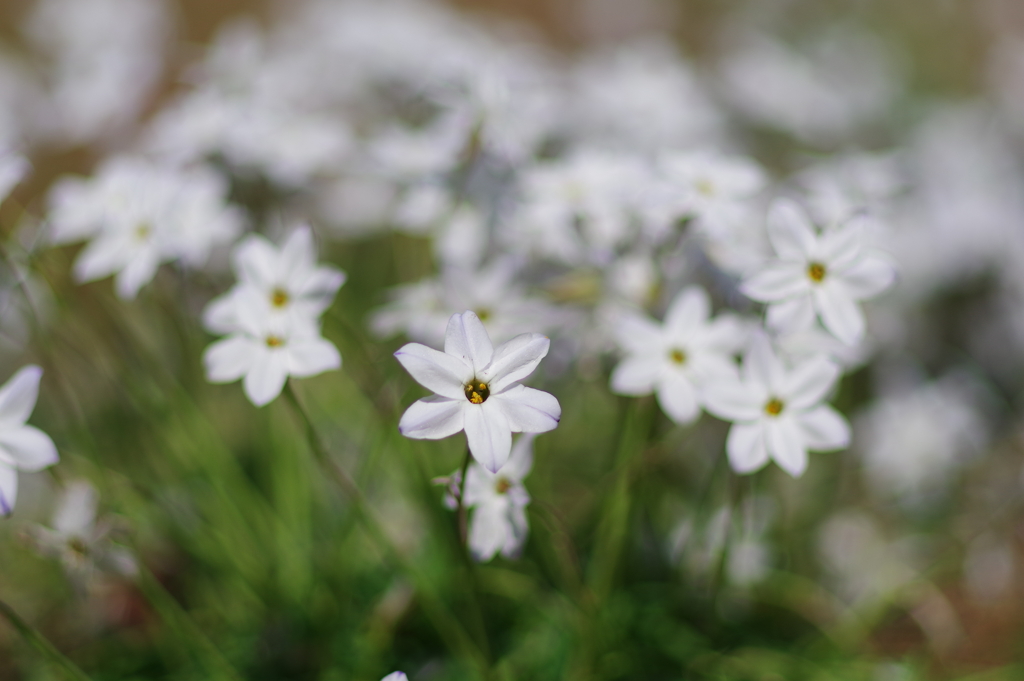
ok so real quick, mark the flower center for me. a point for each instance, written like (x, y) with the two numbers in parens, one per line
(274, 341)
(774, 407)
(816, 271)
(142, 231)
(279, 298)
(705, 187)
(477, 392)
(502, 485)
(78, 547)
(677, 356)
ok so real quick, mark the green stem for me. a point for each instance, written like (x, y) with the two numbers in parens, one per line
(41, 644)
(455, 636)
(174, 616)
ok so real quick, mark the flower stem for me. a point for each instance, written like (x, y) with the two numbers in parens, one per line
(41, 644)
(462, 511)
(455, 636)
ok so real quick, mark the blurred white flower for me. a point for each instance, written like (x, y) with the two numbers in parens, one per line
(22, 447)
(78, 539)
(777, 412)
(817, 274)
(913, 441)
(265, 348)
(396, 676)
(709, 187)
(478, 390)
(677, 358)
(288, 279)
(498, 501)
(139, 215)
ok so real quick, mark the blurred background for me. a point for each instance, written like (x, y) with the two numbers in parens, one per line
(898, 560)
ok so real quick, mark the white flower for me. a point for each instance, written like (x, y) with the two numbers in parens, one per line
(266, 348)
(677, 358)
(777, 412)
(709, 187)
(22, 447)
(76, 538)
(817, 274)
(396, 676)
(139, 215)
(499, 503)
(478, 390)
(288, 279)
(13, 169)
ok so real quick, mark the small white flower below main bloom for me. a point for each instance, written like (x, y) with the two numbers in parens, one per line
(499, 503)
(396, 676)
(777, 412)
(478, 390)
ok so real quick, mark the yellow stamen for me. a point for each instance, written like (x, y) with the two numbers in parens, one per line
(774, 407)
(816, 271)
(478, 392)
(279, 298)
(677, 356)
(502, 485)
(274, 341)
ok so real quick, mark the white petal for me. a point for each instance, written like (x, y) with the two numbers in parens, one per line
(762, 365)
(488, 434)
(266, 377)
(18, 396)
(839, 247)
(746, 447)
(520, 461)
(726, 334)
(8, 489)
(395, 676)
(515, 360)
(690, 309)
(777, 281)
(466, 338)
(298, 254)
(220, 316)
(256, 262)
(867, 277)
(528, 410)
(677, 397)
(808, 383)
(29, 448)
(139, 271)
(229, 359)
(637, 375)
(637, 334)
(734, 401)
(786, 444)
(320, 285)
(488, 531)
(839, 312)
(77, 509)
(433, 418)
(441, 372)
(790, 230)
(824, 429)
(309, 357)
(790, 316)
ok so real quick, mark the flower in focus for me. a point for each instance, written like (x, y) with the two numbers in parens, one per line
(817, 274)
(80, 541)
(499, 503)
(288, 279)
(22, 447)
(676, 358)
(777, 412)
(478, 390)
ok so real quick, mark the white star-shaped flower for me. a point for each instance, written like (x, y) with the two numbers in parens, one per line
(22, 447)
(265, 349)
(817, 274)
(777, 411)
(499, 503)
(477, 390)
(396, 676)
(287, 278)
(676, 358)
